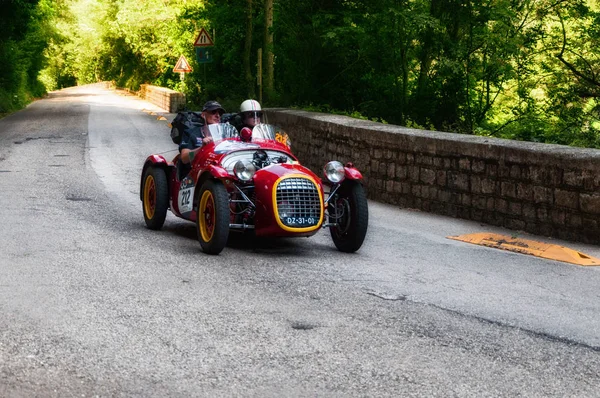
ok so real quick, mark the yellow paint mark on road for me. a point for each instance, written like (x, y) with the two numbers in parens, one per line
(161, 118)
(524, 246)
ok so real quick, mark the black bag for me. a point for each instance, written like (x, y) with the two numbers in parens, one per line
(189, 121)
(235, 119)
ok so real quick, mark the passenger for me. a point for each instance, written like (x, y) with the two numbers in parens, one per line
(251, 114)
(191, 142)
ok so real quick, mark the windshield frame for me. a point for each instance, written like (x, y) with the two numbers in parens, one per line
(270, 132)
(221, 131)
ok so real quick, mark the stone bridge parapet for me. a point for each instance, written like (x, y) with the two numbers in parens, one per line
(165, 98)
(543, 189)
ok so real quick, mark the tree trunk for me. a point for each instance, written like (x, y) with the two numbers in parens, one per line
(248, 50)
(269, 58)
(426, 58)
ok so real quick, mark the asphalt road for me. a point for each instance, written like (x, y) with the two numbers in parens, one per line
(94, 304)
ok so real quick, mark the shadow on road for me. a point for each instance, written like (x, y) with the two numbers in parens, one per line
(244, 241)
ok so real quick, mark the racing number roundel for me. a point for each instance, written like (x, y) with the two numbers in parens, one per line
(186, 193)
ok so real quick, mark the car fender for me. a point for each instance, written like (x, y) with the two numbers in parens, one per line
(152, 160)
(352, 173)
(217, 171)
(211, 171)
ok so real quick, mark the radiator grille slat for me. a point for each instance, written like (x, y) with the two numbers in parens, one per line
(298, 202)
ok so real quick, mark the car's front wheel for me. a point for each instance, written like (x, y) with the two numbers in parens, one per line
(348, 211)
(212, 222)
(155, 197)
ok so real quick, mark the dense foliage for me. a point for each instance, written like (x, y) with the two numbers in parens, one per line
(520, 69)
(25, 32)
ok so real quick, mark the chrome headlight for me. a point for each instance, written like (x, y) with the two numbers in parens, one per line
(244, 170)
(334, 171)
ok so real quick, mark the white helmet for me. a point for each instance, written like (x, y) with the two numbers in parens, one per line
(250, 106)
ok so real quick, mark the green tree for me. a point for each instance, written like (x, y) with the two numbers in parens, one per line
(25, 32)
(520, 69)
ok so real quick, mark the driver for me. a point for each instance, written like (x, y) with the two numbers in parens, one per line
(251, 114)
(191, 142)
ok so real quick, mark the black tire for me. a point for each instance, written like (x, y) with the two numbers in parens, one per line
(212, 221)
(155, 197)
(349, 210)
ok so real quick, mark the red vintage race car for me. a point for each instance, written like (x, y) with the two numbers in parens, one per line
(258, 186)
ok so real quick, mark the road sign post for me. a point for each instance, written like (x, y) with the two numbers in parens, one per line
(203, 39)
(203, 45)
(204, 54)
(259, 74)
(182, 66)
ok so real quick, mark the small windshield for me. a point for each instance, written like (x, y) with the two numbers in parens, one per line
(222, 131)
(269, 132)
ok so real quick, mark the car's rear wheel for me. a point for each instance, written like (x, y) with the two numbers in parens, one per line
(212, 222)
(349, 211)
(155, 198)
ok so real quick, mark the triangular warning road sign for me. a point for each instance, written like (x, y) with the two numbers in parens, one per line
(203, 39)
(182, 65)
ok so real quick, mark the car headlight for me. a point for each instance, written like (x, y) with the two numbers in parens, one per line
(334, 171)
(244, 170)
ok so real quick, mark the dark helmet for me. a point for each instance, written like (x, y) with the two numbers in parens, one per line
(211, 106)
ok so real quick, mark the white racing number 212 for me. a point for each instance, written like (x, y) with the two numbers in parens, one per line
(185, 200)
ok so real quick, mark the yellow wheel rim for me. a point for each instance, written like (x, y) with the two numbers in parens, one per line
(206, 216)
(150, 197)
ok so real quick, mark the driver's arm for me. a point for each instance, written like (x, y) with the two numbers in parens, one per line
(188, 154)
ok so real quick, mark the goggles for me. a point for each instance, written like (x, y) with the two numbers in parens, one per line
(253, 115)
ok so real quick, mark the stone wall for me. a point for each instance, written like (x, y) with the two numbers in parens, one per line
(167, 99)
(548, 190)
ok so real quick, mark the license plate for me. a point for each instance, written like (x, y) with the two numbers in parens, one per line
(299, 221)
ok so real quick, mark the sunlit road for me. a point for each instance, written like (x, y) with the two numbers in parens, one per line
(94, 304)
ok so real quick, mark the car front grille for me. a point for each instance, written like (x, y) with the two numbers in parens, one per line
(298, 202)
